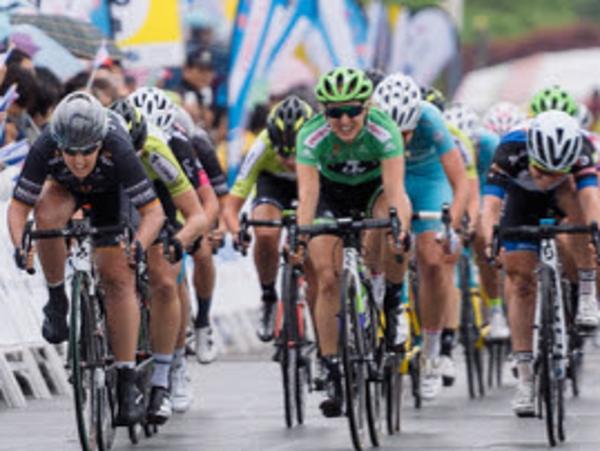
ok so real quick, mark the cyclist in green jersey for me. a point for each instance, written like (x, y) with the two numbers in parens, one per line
(270, 166)
(184, 214)
(347, 157)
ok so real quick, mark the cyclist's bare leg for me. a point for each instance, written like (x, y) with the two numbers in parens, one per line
(520, 289)
(204, 281)
(266, 247)
(165, 318)
(184, 313)
(122, 310)
(53, 210)
(326, 257)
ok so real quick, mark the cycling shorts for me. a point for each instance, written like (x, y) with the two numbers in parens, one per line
(427, 193)
(338, 200)
(276, 191)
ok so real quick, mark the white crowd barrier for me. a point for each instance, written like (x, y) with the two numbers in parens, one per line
(30, 367)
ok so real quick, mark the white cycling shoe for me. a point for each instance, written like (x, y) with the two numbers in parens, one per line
(587, 312)
(431, 378)
(181, 395)
(498, 326)
(447, 370)
(206, 351)
(523, 403)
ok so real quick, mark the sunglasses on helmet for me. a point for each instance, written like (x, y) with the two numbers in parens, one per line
(87, 150)
(350, 110)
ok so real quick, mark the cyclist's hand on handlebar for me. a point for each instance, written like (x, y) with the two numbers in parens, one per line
(241, 241)
(216, 238)
(490, 258)
(175, 250)
(399, 245)
(297, 256)
(24, 260)
(136, 254)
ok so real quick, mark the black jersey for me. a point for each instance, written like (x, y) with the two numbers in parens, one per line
(117, 167)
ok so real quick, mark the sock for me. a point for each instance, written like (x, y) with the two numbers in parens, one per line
(58, 296)
(431, 343)
(393, 296)
(524, 361)
(125, 364)
(203, 319)
(162, 366)
(178, 356)
(587, 282)
(447, 342)
(495, 304)
(269, 294)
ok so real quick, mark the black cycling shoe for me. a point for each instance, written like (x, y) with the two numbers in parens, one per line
(332, 406)
(55, 329)
(267, 321)
(159, 407)
(130, 398)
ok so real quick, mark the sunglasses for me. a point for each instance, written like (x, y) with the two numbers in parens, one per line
(546, 173)
(85, 151)
(350, 110)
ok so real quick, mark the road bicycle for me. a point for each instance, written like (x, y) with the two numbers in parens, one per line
(551, 349)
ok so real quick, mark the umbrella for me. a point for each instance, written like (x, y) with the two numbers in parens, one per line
(45, 51)
(80, 38)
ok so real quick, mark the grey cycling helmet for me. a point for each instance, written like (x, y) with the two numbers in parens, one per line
(79, 122)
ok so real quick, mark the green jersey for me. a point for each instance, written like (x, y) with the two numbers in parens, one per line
(261, 157)
(349, 163)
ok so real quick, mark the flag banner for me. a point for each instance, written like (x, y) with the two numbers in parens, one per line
(14, 153)
(8, 98)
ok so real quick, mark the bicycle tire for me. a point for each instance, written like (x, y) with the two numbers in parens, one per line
(351, 344)
(288, 343)
(392, 388)
(414, 368)
(83, 377)
(466, 334)
(548, 389)
(375, 352)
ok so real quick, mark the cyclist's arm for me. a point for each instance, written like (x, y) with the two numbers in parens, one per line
(308, 192)
(455, 171)
(494, 193)
(589, 199)
(474, 201)
(210, 203)
(231, 210)
(152, 218)
(17, 218)
(392, 171)
(196, 222)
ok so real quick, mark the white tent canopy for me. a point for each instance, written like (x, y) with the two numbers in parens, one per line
(577, 71)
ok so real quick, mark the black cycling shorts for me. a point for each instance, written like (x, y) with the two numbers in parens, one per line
(274, 190)
(337, 200)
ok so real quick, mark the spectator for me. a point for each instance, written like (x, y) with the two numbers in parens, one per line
(49, 94)
(21, 59)
(196, 86)
(18, 121)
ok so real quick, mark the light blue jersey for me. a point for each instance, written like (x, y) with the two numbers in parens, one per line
(486, 148)
(426, 182)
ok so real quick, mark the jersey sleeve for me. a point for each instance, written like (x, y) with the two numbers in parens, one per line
(205, 151)
(252, 166)
(185, 155)
(585, 171)
(130, 171)
(467, 151)
(307, 140)
(35, 170)
(385, 131)
(163, 163)
(506, 159)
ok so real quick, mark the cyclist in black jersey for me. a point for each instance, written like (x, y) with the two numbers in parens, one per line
(85, 156)
(546, 170)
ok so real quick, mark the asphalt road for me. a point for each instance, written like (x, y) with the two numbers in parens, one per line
(238, 406)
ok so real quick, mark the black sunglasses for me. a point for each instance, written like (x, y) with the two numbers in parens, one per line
(85, 151)
(350, 110)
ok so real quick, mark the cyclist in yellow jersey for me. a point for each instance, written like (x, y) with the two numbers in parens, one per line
(179, 200)
(270, 166)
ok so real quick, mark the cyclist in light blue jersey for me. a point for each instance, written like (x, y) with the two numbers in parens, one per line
(435, 174)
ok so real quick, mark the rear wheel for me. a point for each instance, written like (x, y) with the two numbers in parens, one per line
(392, 384)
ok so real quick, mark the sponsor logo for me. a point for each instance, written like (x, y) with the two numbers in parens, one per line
(166, 170)
(378, 132)
(317, 136)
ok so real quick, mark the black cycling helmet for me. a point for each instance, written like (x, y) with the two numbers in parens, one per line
(434, 96)
(79, 122)
(375, 75)
(284, 121)
(135, 121)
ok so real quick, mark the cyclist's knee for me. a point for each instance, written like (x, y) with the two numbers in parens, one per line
(328, 283)
(522, 280)
(164, 289)
(266, 236)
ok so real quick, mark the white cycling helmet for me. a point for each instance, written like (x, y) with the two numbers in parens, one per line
(463, 118)
(554, 141)
(400, 97)
(584, 116)
(503, 117)
(156, 106)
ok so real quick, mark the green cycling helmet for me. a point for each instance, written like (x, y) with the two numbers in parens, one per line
(554, 98)
(343, 84)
